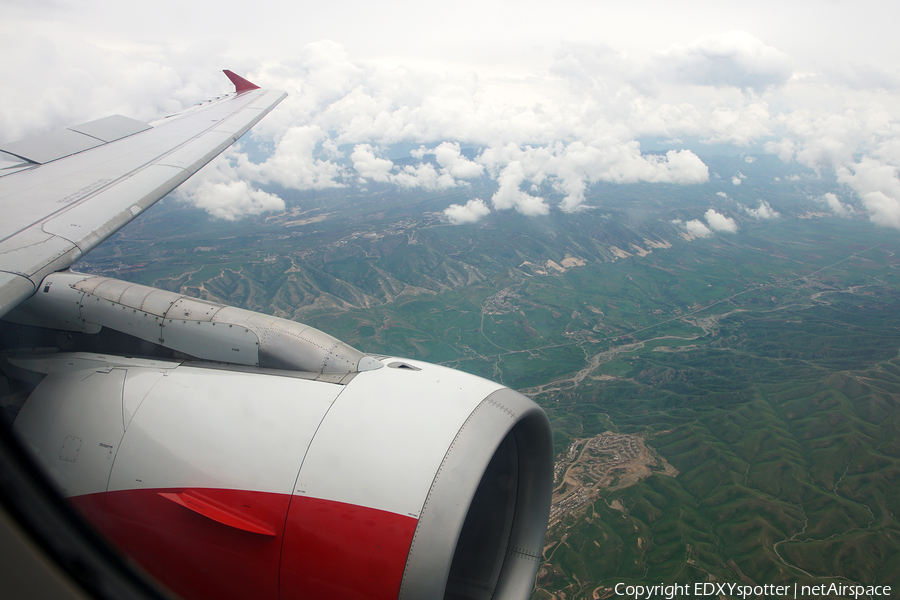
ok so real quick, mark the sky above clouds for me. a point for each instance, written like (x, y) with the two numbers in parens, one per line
(562, 94)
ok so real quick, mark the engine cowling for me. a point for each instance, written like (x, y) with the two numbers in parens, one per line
(408, 480)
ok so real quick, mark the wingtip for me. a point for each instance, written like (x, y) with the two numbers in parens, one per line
(240, 84)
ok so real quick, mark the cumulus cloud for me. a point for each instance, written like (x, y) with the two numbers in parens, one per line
(860, 144)
(570, 168)
(763, 211)
(719, 222)
(696, 227)
(232, 200)
(835, 205)
(509, 195)
(473, 211)
(878, 187)
(423, 175)
(737, 178)
(336, 102)
(543, 137)
(294, 164)
(785, 149)
(369, 166)
(223, 193)
(732, 59)
(454, 163)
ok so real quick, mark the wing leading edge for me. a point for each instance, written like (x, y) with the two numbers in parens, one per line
(63, 193)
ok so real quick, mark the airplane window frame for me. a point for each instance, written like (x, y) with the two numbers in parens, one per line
(30, 501)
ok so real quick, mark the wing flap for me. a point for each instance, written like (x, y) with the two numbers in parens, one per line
(112, 128)
(52, 146)
(72, 140)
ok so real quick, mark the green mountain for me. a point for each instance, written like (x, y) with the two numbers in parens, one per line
(762, 364)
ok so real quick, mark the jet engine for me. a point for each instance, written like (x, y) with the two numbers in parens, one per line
(302, 469)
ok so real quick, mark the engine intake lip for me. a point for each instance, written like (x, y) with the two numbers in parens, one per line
(482, 528)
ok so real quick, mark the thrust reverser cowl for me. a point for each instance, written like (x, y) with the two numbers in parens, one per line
(411, 481)
(206, 330)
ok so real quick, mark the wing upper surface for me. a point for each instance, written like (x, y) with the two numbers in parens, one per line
(63, 193)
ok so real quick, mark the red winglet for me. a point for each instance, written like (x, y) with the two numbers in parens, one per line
(240, 84)
(209, 508)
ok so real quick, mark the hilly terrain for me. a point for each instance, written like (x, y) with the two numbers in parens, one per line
(761, 364)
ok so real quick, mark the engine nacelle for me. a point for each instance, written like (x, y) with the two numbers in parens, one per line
(405, 481)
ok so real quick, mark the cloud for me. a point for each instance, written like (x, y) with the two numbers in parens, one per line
(455, 164)
(864, 74)
(763, 211)
(369, 166)
(570, 168)
(737, 178)
(424, 176)
(223, 193)
(232, 200)
(732, 59)
(835, 205)
(719, 222)
(473, 211)
(695, 227)
(569, 126)
(877, 185)
(80, 81)
(508, 195)
(785, 149)
(294, 164)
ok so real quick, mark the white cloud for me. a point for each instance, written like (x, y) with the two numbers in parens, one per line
(369, 166)
(223, 192)
(454, 163)
(509, 195)
(737, 178)
(785, 149)
(763, 211)
(835, 205)
(572, 167)
(422, 175)
(878, 187)
(735, 59)
(719, 222)
(570, 122)
(232, 200)
(695, 227)
(293, 164)
(864, 74)
(473, 211)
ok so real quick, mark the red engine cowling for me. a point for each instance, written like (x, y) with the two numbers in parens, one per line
(405, 481)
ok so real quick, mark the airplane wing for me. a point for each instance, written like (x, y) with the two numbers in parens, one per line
(233, 454)
(65, 192)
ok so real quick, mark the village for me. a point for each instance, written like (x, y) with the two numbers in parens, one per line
(606, 461)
